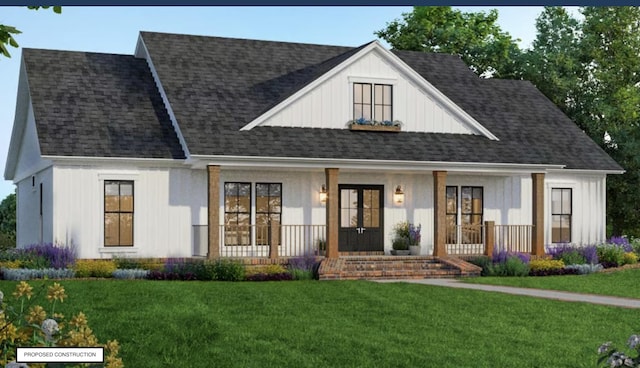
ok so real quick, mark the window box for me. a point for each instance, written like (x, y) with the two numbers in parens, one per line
(374, 128)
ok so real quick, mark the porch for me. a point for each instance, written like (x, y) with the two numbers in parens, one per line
(287, 241)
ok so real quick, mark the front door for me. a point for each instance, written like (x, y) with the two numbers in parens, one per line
(361, 214)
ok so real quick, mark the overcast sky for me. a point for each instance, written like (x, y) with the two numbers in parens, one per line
(115, 30)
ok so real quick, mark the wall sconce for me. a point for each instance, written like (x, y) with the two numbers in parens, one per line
(323, 194)
(398, 195)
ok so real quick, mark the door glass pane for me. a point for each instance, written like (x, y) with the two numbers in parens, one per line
(465, 204)
(345, 218)
(451, 229)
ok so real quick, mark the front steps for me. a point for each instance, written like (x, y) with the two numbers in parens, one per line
(395, 267)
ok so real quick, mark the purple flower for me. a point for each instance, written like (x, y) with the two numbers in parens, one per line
(621, 241)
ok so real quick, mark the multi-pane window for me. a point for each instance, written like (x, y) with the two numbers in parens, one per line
(452, 214)
(118, 213)
(372, 102)
(268, 208)
(470, 210)
(561, 215)
(237, 213)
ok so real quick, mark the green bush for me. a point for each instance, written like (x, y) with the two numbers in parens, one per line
(610, 255)
(228, 270)
(547, 264)
(573, 257)
(483, 262)
(513, 266)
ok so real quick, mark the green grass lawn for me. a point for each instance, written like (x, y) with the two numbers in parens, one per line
(338, 324)
(622, 283)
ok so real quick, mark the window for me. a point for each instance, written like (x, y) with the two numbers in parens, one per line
(560, 215)
(452, 214)
(118, 213)
(372, 102)
(471, 214)
(268, 208)
(237, 213)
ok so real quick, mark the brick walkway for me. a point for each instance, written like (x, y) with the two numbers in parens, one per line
(537, 293)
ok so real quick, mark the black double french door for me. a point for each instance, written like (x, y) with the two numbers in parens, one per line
(361, 218)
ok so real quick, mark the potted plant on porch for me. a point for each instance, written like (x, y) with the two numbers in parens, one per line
(406, 238)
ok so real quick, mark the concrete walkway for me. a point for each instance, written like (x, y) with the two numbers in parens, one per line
(538, 293)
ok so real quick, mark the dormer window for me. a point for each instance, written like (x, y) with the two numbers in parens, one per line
(372, 102)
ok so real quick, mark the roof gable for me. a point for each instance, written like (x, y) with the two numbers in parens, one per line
(327, 102)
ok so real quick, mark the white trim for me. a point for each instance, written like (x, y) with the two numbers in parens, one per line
(397, 62)
(143, 52)
(120, 176)
(129, 161)
(200, 162)
(586, 171)
(23, 105)
(559, 184)
(372, 80)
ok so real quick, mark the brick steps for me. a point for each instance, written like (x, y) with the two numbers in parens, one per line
(395, 267)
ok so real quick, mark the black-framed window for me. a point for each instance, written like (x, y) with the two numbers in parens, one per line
(561, 212)
(268, 208)
(471, 214)
(452, 214)
(237, 213)
(373, 102)
(118, 213)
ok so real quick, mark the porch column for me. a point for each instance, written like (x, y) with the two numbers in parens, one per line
(213, 201)
(537, 236)
(439, 213)
(332, 212)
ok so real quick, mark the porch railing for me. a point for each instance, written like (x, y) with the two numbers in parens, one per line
(255, 241)
(483, 239)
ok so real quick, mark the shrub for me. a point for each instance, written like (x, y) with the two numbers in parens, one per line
(11, 264)
(610, 255)
(483, 262)
(513, 266)
(26, 324)
(585, 269)
(95, 268)
(546, 264)
(622, 242)
(54, 256)
(501, 256)
(635, 245)
(629, 258)
(20, 274)
(571, 254)
(590, 253)
(130, 274)
(304, 268)
(228, 270)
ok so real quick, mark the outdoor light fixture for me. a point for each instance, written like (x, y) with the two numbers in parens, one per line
(323, 194)
(398, 196)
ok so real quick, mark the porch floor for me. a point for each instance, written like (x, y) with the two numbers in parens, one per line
(395, 267)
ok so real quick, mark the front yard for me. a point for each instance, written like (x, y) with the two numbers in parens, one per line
(338, 324)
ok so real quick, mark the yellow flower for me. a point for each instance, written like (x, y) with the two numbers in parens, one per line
(79, 320)
(8, 332)
(36, 315)
(56, 292)
(113, 362)
(113, 347)
(23, 289)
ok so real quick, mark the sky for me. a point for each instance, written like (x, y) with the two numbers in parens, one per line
(115, 30)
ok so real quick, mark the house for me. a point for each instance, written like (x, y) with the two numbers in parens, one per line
(208, 146)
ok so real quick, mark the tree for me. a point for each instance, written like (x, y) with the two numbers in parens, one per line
(7, 32)
(8, 221)
(476, 37)
(591, 70)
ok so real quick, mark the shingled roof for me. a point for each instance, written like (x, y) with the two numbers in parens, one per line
(215, 86)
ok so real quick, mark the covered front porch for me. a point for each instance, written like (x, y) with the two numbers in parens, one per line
(283, 239)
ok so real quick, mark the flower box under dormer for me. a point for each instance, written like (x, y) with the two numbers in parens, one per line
(374, 128)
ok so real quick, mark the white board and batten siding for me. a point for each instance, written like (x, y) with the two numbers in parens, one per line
(330, 104)
(167, 201)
